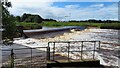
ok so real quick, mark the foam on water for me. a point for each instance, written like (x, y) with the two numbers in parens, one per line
(108, 38)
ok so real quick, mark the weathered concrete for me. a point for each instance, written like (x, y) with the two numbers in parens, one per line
(46, 32)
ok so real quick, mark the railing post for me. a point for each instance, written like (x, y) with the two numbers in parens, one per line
(12, 59)
(48, 52)
(31, 57)
(68, 51)
(94, 50)
(53, 51)
(99, 45)
(81, 49)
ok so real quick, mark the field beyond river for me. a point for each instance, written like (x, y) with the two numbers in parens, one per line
(31, 25)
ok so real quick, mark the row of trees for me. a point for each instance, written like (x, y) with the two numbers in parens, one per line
(49, 20)
(96, 21)
(29, 18)
(38, 19)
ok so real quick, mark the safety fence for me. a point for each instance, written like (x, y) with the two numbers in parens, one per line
(24, 58)
(73, 50)
(59, 50)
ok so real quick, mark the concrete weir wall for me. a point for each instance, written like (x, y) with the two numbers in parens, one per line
(47, 32)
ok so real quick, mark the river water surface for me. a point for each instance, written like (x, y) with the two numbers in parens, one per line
(108, 55)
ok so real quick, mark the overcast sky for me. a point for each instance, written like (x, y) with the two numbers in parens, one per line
(67, 10)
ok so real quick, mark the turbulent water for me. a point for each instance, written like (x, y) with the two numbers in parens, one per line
(109, 43)
(108, 54)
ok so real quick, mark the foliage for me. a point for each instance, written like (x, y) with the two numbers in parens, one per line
(50, 20)
(29, 18)
(29, 25)
(96, 21)
(17, 18)
(37, 19)
(8, 22)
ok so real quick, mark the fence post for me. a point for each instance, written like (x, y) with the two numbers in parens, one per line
(99, 45)
(68, 51)
(94, 50)
(81, 50)
(31, 57)
(48, 52)
(53, 51)
(12, 59)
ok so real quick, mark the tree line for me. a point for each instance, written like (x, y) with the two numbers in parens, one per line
(38, 19)
(96, 21)
(31, 18)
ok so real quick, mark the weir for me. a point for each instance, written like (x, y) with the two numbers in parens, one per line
(51, 32)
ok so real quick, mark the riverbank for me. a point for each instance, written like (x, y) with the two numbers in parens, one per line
(31, 25)
(108, 37)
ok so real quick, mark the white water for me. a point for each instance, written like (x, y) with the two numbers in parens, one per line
(107, 55)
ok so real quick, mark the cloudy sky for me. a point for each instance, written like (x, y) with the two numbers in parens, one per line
(67, 10)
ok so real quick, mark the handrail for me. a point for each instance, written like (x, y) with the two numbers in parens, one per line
(68, 50)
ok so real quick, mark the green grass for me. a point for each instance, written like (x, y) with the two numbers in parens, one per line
(29, 25)
(111, 25)
(63, 24)
(59, 24)
(100, 25)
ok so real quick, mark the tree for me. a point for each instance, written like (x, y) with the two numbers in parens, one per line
(8, 21)
(23, 17)
(31, 18)
(18, 19)
(49, 20)
(37, 19)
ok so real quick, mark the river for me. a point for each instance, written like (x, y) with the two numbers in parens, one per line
(109, 42)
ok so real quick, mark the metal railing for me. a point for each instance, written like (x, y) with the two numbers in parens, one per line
(25, 58)
(37, 57)
(70, 47)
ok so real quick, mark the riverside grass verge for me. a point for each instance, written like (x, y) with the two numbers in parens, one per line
(32, 25)
(29, 25)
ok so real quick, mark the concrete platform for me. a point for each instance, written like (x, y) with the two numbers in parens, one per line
(80, 64)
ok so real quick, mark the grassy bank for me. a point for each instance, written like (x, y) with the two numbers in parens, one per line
(29, 25)
(58, 24)
(100, 25)
(71, 24)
